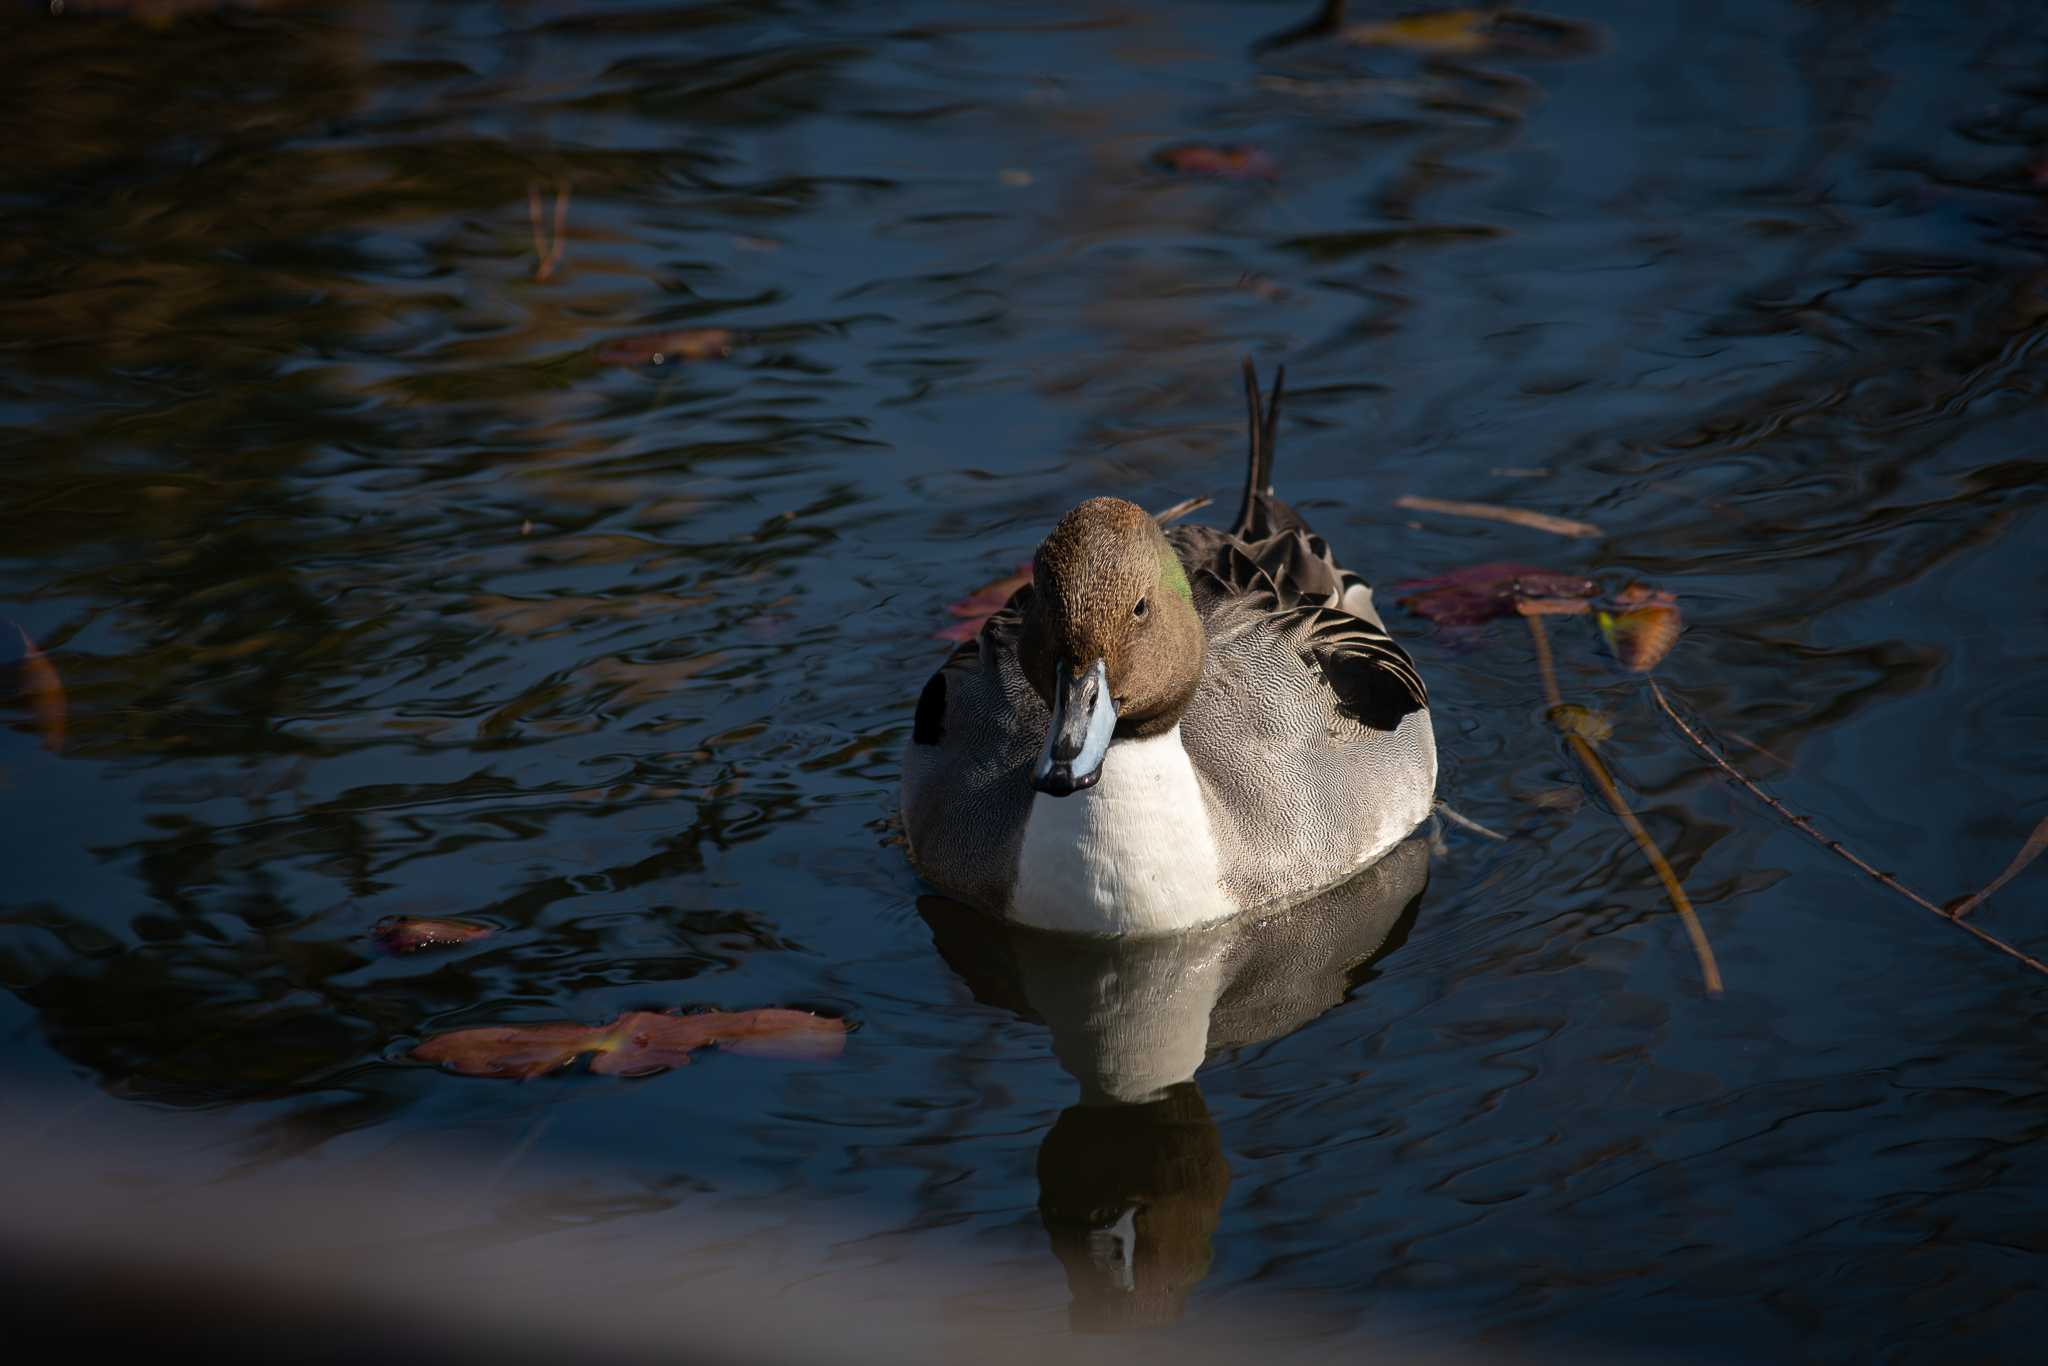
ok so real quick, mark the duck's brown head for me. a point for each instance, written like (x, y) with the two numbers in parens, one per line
(1111, 638)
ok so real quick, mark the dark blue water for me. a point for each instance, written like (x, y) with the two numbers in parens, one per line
(375, 591)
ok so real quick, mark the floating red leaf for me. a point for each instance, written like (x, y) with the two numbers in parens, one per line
(407, 934)
(1482, 592)
(1644, 628)
(1216, 160)
(984, 602)
(659, 348)
(636, 1044)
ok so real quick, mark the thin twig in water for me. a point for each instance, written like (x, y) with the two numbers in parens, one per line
(1807, 828)
(1541, 638)
(1709, 969)
(1468, 823)
(1490, 512)
(2031, 850)
(1748, 743)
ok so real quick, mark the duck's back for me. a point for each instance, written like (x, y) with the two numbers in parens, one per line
(1310, 731)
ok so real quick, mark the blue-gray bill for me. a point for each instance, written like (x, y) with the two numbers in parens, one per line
(1083, 720)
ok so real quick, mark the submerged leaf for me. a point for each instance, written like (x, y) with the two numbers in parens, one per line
(1482, 592)
(1219, 161)
(43, 691)
(636, 1044)
(1643, 629)
(407, 933)
(1584, 722)
(659, 348)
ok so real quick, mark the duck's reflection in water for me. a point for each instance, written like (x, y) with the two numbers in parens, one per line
(1131, 1178)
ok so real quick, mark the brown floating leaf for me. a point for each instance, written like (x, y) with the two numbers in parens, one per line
(1482, 592)
(984, 602)
(1645, 628)
(1451, 30)
(659, 348)
(43, 690)
(1458, 32)
(1219, 161)
(636, 1044)
(2031, 850)
(1491, 512)
(407, 934)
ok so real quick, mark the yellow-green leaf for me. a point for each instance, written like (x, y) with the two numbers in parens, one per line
(1643, 628)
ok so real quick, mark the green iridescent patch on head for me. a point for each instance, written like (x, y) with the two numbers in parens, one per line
(1172, 574)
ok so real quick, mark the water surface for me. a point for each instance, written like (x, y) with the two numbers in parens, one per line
(379, 586)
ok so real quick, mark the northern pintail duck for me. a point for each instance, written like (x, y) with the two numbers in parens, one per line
(1167, 727)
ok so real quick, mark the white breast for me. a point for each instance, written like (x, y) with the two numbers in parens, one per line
(1133, 854)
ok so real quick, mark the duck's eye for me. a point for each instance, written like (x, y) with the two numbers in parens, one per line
(1139, 610)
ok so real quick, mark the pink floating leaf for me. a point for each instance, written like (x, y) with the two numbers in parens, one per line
(1217, 161)
(516, 1051)
(408, 933)
(1466, 597)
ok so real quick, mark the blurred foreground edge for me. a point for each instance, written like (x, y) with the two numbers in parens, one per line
(111, 1248)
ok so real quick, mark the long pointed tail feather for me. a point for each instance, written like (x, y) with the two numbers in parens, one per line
(1272, 432)
(1263, 422)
